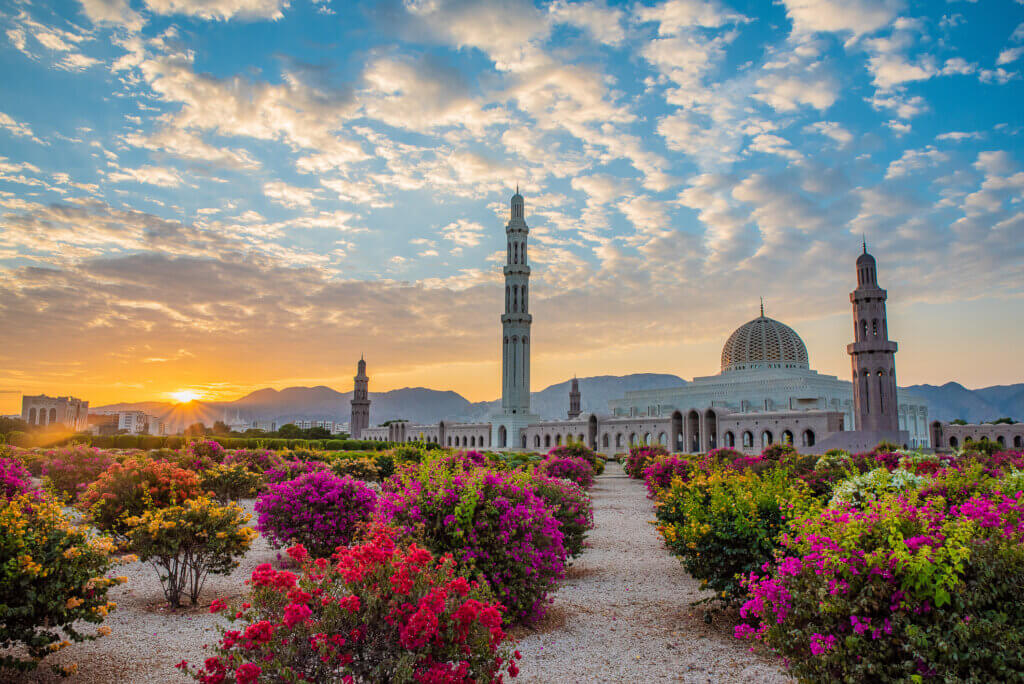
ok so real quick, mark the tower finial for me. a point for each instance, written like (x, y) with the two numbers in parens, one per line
(762, 307)
(517, 188)
(864, 237)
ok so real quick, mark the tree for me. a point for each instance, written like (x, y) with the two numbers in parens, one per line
(318, 432)
(997, 421)
(196, 430)
(220, 427)
(11, 425)
(289, 431)
(958, 421)
(395, 420)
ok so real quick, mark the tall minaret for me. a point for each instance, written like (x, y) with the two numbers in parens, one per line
(360, 402)
(574, 400)
(872, 353)
(515, 335)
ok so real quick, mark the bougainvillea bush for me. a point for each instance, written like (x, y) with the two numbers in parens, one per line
(905, 589)
(72, 469)
(638, 458)
(230, 482)
(377, 612)
(52, 581)
(131, 488)
(571, 506)
(570, 468)
(360, 468)
(289, 470)
(658, 473)
(15, 479)
(491, 522)
(725, 524)
(256, 460)
(580, 450)
(319, 510)
(187, 543)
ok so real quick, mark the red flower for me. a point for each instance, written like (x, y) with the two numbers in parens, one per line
(218, 605)
(295, 613)
(298, 553)
(350, 603)
(248, 673)
(490, 617)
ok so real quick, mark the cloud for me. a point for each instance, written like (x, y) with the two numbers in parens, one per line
(773, 144)
(22, 130)
(112, 12)
(675, 16)
(464, 233)
(595, 18)
(289, 195)
(1010, 55)
(831, 129)
(221, 9)
(787, 93)
(841, 16)
(151, 175)
(915, 160)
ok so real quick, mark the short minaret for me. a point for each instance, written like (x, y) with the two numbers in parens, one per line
(872, 353)
(515, 335)
(574, 400)
(360, 402)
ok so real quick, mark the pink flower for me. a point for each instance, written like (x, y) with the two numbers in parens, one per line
(248, 673)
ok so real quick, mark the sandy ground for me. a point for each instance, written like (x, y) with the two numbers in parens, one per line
(622, 615)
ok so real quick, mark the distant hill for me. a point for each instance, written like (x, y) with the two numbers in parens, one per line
(953, 400)
(417, 404)
(423, 405)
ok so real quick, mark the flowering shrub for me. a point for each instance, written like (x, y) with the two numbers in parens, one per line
(903, 590)
(638, 458)
(72, 469)
(659, 472)
(256, 460)
(359, 468)
(186, 543)
(289, 470)
(319, 510)
(778, 452)
(580, 450)
(726, 524)
(872, 485)
(372, 613)
(131, 488)
(570, 468)
(51, 580)
(230, 482)
(15, 479)
(491, 522)
(571, 506)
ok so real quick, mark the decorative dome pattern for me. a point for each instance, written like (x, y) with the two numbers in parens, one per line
(763, 343)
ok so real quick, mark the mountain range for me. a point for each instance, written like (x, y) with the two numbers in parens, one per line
(423, 405)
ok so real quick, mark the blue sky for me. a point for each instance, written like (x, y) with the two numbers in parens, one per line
(228, 194)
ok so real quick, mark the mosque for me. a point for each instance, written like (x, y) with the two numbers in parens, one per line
(765, 392)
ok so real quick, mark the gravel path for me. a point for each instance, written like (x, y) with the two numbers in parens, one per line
(623, 614)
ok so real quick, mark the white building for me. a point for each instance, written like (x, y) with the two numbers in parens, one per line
(137, 422)
(42, 410)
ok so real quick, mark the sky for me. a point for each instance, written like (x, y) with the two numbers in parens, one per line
(221, 195)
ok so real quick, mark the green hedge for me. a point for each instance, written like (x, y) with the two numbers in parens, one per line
(176, 442)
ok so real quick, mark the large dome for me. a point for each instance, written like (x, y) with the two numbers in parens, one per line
(763, 343)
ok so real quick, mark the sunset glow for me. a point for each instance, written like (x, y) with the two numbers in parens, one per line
(184, 396)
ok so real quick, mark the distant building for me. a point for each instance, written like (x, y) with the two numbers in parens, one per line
(949, 436)
(103, 423)
(135, 422)
(70, 412)
(330, 425)
(765, 393)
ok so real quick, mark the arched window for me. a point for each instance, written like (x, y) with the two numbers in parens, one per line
(881, 391)
(502, 437)
(53, 416)
(808, 438)
(767, 439)
(515, 298)
(866, 393)
(31, 416)
(508, 299)
(547, 441)
(1016, 442)
(647, 438)
(863, 329)
(874, 327)
(618, 439)
(525, 305)
(604, 440)
(787, 437)
(558, 440)
(748, 439)
(524, 440)
(953, 442)
(632, 439)
(663, 439)
(730, 439)
(515, 252)
(1001, 440)
(536, 441)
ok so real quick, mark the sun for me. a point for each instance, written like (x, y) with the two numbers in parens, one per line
(184, 396)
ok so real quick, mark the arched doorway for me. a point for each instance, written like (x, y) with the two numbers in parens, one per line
(711, 429)
(748, 440)
(547, 441)
(953, 442)
(787, 437)
(808, 438)
(677, 431)
(729, 439)
(693, 432)
(502, 437)
(767, 439)
(592, 431)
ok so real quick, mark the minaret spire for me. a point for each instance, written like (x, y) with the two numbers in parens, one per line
(762, 307)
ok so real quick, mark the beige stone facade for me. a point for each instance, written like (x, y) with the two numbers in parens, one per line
(950, 436)
(42, 410)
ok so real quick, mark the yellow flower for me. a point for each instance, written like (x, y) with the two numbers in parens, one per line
(103, 630)
(73, 602)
